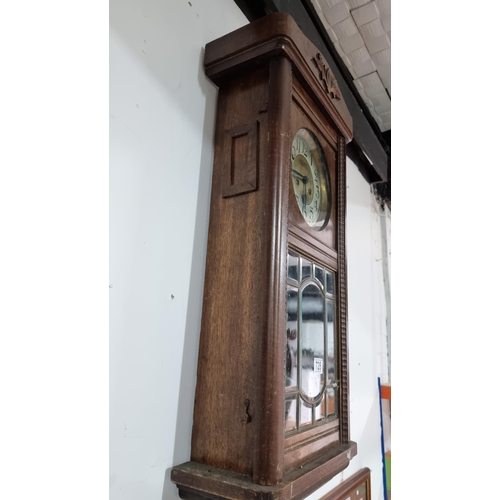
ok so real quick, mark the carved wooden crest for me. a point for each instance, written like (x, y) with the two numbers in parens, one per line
(326, 76)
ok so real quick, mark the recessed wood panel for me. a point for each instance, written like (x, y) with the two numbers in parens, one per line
(240, 161)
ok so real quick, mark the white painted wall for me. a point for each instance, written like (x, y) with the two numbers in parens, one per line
(367, 330)
(162, 112)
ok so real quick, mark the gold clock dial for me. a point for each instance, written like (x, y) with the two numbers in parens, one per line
(310, 179)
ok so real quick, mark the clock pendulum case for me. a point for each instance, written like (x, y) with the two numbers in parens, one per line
(271, 413)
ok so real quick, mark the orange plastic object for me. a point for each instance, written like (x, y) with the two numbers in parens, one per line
(386, 391)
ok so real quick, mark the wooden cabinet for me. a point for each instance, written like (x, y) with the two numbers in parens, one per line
(271, 416)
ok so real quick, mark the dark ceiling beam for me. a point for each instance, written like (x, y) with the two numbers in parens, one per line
(256, 9)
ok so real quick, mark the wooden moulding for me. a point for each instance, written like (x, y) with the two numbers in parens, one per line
(350, 488)
(278, 35)
(197, 481)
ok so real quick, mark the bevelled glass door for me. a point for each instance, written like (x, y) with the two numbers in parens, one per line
(311, 383)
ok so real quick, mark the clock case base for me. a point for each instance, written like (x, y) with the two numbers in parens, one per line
(201, 482)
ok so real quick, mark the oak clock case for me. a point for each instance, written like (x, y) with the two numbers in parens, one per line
(271, 414)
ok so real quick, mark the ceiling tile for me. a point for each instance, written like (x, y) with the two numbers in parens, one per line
(319, 5)
(385, 107)
(323, 18)
(352, 43)
(377, 118)
(382, 58)
(345, 28)
(347, 62)
(337, 13)
(359, 56)
(365, 14)
(374, 89)
(338, 48)
(380, 99)
(384, 71)
(385, 117)
(386, 22)
(372, 30)
(358, 84)
(364, 68)
(343, 55)
(354, 4)
(331, 34)
(384, 7)
(369, 81)
(377, 44)
(363, 95)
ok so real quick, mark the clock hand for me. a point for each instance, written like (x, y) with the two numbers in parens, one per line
(304, 198)
(303, 178)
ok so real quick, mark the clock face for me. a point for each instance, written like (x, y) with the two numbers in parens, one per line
(310, 179)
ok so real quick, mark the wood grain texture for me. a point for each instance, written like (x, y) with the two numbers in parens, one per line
(309, 450)
(233, 319)
(268, 458)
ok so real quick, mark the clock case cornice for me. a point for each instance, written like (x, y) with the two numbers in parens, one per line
(273, 36)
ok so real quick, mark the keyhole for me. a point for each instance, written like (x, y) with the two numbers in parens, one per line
(249, 417)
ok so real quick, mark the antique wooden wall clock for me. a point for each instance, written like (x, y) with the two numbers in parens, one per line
(271, 416)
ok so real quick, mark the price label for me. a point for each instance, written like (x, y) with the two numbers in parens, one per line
(318, 365)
